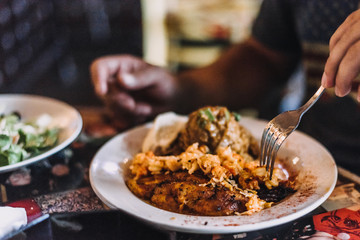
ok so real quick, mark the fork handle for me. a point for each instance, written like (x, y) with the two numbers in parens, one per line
(312, 100)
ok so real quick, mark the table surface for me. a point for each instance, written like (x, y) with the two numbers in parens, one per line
(60, 187)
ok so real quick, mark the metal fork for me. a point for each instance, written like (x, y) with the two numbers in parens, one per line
(279, 128)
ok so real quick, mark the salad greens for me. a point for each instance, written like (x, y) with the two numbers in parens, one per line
(21, 140)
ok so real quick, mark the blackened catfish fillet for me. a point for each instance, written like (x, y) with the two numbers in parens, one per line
(188, 194)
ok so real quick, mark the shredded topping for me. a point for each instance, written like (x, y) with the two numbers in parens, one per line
(226, 168)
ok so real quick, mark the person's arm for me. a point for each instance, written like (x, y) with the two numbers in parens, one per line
(134, 90)
(240, 78)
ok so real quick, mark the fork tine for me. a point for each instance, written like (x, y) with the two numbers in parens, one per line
(273, 157)
(266, 145)
(278, 142)
(270, 150)
(262, 146)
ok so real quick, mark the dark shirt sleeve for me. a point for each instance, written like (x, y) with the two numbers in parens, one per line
(275, 27)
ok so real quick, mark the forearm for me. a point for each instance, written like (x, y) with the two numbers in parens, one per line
(238, 79)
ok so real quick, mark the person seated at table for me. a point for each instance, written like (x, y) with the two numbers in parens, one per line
(319, 37)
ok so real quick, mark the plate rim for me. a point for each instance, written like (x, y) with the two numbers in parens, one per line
(217, 230)
(53, 150)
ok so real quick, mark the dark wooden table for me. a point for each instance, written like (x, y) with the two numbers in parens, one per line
(62, 205)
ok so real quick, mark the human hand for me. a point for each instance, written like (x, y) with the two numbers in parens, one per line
(131, 89)
(343, 64)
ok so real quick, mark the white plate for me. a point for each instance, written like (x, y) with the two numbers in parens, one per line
(318, 176)
(30, 107)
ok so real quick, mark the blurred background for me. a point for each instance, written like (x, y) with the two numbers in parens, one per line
(46, 46)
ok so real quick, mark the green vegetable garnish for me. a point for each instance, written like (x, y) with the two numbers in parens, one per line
(5, 141)
(20, 140)
(237, 116)
(227, 115)
(209, 114)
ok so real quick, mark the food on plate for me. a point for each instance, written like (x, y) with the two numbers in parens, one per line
(20, 140)
(211, 167)
(164, 131)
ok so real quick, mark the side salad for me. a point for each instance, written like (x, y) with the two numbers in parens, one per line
(20, 140)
